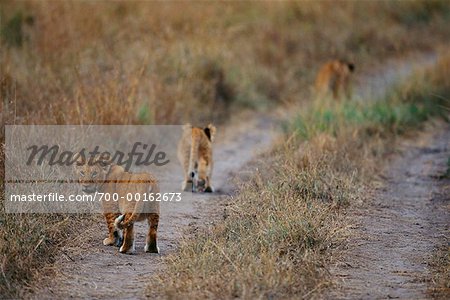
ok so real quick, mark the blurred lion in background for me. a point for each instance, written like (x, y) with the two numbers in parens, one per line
(195, 155)
(334, 77)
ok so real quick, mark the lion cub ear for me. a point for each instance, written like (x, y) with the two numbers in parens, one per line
(210, 132)
(187, 127)
(78, 160)
(351, 67)
(104, 161)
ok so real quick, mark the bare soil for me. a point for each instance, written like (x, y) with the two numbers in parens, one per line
(395, 233)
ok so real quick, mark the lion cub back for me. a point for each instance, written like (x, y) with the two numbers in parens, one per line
(334, 77)
(196, 141)
(195, 155)
(132, 188)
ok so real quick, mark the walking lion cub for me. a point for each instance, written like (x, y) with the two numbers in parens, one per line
(334, 77)
(99, 175)
(195, 155)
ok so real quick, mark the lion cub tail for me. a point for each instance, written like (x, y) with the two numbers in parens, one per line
(127, 219)
(193, 156)
(209, 132)
(118, 222)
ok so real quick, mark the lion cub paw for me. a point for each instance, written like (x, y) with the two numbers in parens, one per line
(151, 248)
(187, 186)
(116, 241)
(119, 238)
(109, 242)
(130, 250)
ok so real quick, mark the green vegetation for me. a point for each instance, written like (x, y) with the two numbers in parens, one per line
(12, 31)
(398, 111)
(406, 106)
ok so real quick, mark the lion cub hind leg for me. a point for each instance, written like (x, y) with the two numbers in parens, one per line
(128, 245)
(187, 185)
(113, 233)
(118, 234)
(151, 245)
(208, 187)
(125, 223)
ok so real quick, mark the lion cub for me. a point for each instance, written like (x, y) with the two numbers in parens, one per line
(100, 175)
(195, 155)
(334, 76)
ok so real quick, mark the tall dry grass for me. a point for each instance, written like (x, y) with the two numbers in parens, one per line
(126, 63)
(168, 63)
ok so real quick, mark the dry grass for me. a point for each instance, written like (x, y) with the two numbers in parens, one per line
(282, 226)
(440, 260)
(168, 63)
(278, 231)
(440, 265)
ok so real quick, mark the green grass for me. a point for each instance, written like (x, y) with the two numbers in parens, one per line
(399, 111)
(390, 116)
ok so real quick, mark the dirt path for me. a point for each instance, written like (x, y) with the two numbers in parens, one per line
(87, 269)
(397, 231)
(374, 83)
